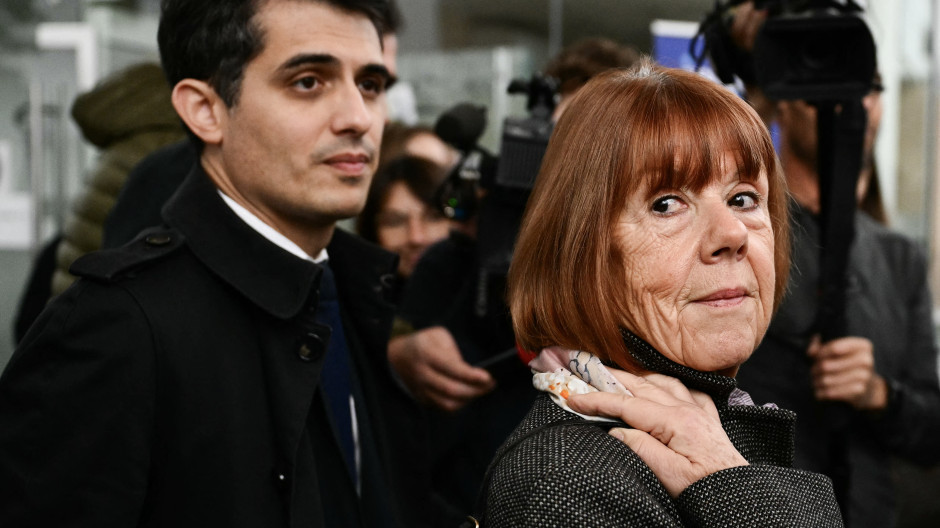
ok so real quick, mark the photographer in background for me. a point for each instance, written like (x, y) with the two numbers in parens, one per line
(436, 359)
(881, 378)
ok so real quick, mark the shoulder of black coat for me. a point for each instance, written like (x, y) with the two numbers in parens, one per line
(111, 265)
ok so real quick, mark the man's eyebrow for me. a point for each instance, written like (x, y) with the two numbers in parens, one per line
(379, 69)
(309, 59)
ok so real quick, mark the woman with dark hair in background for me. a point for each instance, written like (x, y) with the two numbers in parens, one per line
(400, 214)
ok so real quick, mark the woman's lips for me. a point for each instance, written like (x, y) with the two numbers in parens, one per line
(726, 297)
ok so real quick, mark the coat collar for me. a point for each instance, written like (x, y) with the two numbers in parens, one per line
(761, 434)
(273, 279)
(717, 386)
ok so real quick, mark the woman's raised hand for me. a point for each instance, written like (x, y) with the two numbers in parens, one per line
(676, 431)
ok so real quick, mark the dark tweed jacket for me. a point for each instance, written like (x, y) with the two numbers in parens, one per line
(559, 470)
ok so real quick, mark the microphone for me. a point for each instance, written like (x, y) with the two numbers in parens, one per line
(462, 126)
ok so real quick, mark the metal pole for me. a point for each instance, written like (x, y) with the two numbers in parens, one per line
(556, 19)
(37, 176)
(932, 142)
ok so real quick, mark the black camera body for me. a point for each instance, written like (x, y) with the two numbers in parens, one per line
(816, 50)
(523, 145)
(491, 191)
(495, 190)
(525, 138)
(820, 54)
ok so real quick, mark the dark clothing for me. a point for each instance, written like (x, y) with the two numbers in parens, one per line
(443, 291)
(149, 185)
(128, 115)
(38, 290)
(175, 386)
(573, 473)
(888, 303)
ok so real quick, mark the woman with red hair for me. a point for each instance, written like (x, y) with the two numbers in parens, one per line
(652, 255)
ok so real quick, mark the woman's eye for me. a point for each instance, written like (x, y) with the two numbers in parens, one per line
(666, 204)
(744, 200)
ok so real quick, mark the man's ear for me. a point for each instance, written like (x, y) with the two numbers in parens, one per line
(201, 108)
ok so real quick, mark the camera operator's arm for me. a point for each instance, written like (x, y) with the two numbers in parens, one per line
(910, 424)
(904, 412)
(431, 366)
(745, 25)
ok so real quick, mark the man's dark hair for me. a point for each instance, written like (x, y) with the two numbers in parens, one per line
(213, 40)
(393, 19)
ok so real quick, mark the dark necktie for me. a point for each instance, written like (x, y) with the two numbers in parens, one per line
(336, 378)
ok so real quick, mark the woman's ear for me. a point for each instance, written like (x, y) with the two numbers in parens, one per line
(200, 108)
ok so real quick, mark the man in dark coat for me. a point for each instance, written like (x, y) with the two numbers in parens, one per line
(227, 368)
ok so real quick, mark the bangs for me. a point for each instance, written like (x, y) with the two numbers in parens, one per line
(685, 141)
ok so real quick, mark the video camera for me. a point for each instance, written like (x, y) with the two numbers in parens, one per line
(497, 188)
(492, 192)
(478, 172)
(817, 50)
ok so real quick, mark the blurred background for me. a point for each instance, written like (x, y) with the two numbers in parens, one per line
(450, 51)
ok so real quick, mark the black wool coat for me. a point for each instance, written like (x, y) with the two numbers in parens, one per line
(173, 386)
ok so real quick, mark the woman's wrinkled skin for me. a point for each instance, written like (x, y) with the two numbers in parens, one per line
(700, 270)
(700, 284)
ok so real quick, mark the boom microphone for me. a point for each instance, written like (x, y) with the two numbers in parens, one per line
(462, 126)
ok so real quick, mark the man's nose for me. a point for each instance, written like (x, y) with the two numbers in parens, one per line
(353, 114)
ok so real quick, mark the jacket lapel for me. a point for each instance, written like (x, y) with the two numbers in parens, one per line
(277, 284)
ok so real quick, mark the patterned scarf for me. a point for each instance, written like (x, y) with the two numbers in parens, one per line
(561, 372)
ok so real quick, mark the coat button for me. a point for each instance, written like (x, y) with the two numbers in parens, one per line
(158, 239)
(312, 347)
(281, 481)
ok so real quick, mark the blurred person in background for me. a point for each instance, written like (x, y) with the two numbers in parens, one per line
(400, 139)
(400, 214)
(128, 115)
(576, 64)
